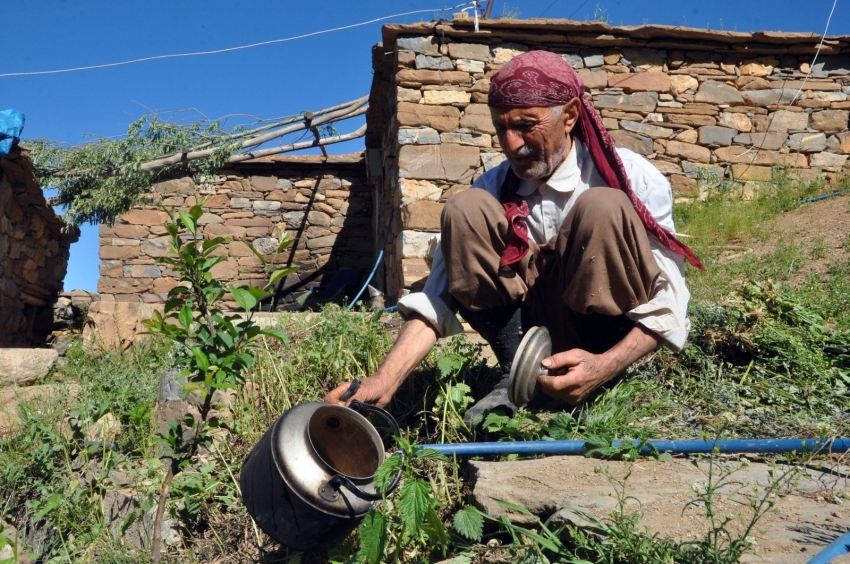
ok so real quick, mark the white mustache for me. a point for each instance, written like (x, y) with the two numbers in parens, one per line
(524, 151)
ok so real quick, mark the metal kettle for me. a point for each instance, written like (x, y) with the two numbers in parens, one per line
(309, 481)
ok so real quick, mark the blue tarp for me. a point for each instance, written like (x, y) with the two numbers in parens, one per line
(11, 125)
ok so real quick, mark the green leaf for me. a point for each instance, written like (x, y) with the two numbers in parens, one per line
(431, 454)
(277, 334)
(187, 221)
(285, 242)
(436, 530)
(258, 293)
(185, 316)
(386, 472)
(196, 212)
(414, 501)
(470, 523)
(244, 298)
(281, 273)
(211, 244)
(211, 262)
(514, 507)
(373, 537)
(256, 252)
(201, 358)
(51, 504)
(495, 422)
(449, 364)
(563, 426)
(174, 303)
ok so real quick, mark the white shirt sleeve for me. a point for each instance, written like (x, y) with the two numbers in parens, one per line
(666, 312)
(432, 302)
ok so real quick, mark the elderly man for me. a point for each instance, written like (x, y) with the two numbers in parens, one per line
(569, 233)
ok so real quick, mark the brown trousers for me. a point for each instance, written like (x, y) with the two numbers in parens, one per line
(579, 285)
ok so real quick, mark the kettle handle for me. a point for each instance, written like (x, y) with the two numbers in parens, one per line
(358, 405)
(340, 480)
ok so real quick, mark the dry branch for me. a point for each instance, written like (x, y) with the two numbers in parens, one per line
(348, 110)
(296, 146)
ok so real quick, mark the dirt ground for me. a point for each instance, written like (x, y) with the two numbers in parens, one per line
(809, 514)
(821, 228)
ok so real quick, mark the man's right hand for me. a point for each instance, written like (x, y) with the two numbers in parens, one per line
(372, 390)
(417, 338)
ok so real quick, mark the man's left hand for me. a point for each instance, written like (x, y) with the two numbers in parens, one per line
(573, 374)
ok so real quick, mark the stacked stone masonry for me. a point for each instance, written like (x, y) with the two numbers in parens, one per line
(323, 203)
(33, 254)
(691, 101)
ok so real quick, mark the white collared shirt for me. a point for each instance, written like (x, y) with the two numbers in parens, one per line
(549, 203)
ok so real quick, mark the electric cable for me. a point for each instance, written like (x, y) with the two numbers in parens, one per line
(229, 49)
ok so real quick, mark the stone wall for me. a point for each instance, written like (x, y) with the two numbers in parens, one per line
(687, 99)
(33, 254)
(324, 203)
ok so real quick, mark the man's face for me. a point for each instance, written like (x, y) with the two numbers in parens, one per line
(535, 140)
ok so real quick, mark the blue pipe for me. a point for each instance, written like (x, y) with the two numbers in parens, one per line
(676, 447)
(836, 548)
(377, 262)
(818, 198)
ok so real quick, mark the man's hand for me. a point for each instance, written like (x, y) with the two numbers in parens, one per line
(415, 341)
(372, 390)
(574, 374)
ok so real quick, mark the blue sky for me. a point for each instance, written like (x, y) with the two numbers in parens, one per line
(269, 81)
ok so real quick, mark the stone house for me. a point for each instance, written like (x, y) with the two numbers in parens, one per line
(34, 247)
(692, 101)
(323, 202)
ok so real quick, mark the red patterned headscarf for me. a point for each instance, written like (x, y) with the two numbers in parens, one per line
(540, 79)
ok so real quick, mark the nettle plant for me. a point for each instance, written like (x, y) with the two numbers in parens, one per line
(214, 348)
(408, 525)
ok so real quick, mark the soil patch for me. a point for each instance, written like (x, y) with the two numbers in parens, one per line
(820, 228)
(807, 516)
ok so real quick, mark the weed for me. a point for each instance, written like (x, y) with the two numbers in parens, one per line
(818, 250)
(509, 13)
(600, 15)
(604, 446)
(720, 544)
(408, 525)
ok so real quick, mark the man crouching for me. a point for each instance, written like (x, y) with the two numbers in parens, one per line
(569, 233)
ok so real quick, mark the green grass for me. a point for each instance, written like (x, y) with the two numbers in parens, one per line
(49, 472)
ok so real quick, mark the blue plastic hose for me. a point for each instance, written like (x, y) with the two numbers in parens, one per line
(377, 262)
(765, 446)
(836, 548)
(818, 198)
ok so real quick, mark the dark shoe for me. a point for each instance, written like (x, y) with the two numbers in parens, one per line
(496, 400)
(501, 328)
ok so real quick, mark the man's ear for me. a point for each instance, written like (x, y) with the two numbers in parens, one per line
(571, 114)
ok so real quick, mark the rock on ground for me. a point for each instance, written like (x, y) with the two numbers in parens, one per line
(567, 489)
(22, 367)
(129, 527)
(47, 394)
